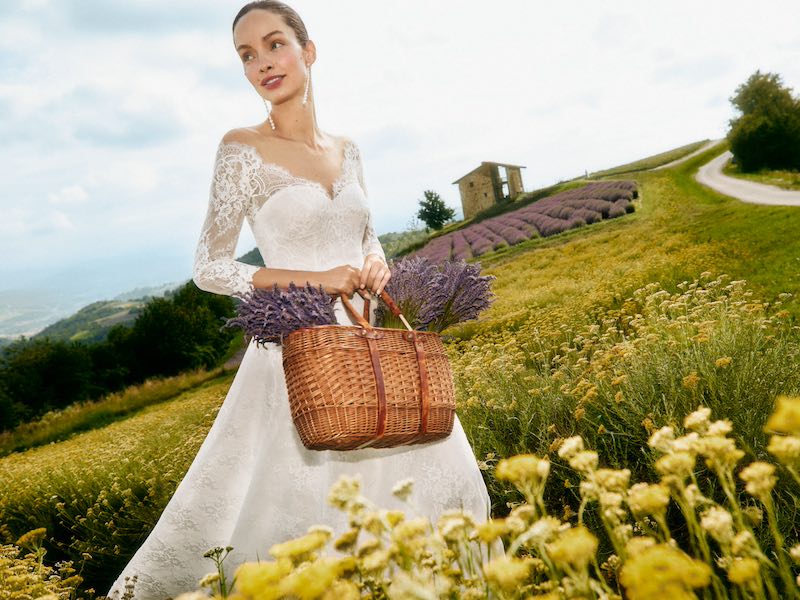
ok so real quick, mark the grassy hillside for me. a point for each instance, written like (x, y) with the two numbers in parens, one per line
(551, 362)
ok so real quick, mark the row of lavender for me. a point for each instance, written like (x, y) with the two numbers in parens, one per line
(543, 218)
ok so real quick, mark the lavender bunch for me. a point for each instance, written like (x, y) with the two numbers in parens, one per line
(409, 286)
(268, 315)
(461, 293)
(433, 298)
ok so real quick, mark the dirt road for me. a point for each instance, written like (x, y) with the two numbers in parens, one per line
(710, 174)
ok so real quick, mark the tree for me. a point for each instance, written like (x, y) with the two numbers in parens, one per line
(767, 133)
(433, 211)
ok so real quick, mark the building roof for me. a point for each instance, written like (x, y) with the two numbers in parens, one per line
(489, 162)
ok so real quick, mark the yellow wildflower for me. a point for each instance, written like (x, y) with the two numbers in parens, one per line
(698, 420)
(342, 589)
(723, 362)
(347, 540)
(662, 571)
(721, 453)
(690, 381)
(718, 522)
(209, 579)
(786, 448)
(301, 546)
(32, 538)
(490, 530)
(507, 572)
(570, 447)
(662, 439)
(676, 464)
(759, 478)
(613, 480)
(648, 499)
(523, 468)
(786, 417)
(744, 570)
(344, 491)
(403, 489)
(315, 579)
(636, 545)
(584, 461)
(254, 577)
(574, 548)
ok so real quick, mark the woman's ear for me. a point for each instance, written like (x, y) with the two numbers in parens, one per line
(310, 53)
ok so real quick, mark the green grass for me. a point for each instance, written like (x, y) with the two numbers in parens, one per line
(788, 180)
(650, 162)
(65, 423)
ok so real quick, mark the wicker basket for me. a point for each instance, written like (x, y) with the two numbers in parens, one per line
(362, 386)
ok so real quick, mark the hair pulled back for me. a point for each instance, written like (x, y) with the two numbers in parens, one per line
(289, 15)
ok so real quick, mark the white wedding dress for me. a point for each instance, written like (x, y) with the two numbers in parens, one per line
(253, 483)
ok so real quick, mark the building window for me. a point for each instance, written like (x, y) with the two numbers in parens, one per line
(471, 184)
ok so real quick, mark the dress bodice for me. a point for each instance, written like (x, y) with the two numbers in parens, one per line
(295, 221)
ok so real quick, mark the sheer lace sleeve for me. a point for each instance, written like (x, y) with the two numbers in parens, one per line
(370, 244)
(215, 268)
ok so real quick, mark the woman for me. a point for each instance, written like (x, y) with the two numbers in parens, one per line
(253, 483)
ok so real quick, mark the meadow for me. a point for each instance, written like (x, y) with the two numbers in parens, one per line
(609, 333)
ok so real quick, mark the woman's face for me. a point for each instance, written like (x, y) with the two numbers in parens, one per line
(267, 48)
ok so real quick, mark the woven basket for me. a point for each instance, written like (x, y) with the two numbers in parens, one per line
(362, 386)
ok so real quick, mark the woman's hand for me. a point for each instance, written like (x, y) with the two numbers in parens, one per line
(374, 274)
(342, 279)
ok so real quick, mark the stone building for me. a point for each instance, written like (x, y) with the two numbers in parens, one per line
(484, 186)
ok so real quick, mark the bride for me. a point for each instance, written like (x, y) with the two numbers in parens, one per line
(253, 483)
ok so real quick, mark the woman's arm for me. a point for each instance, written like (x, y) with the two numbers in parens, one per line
(375, 272)
(215, 268)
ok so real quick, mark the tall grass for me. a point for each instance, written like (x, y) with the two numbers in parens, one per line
(58, 425)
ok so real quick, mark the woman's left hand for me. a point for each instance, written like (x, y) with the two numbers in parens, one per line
(374, 274)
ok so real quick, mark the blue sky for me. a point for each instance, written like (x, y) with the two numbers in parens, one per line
(110, 110)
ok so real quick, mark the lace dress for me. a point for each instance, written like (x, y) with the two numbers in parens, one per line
(253, 483)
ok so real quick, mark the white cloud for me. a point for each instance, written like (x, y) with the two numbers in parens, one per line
(110, 110)
(72, 194)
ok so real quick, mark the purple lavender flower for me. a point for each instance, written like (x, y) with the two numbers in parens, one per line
(268, 315)
(434, 296)
(460, 294)
(409, 285)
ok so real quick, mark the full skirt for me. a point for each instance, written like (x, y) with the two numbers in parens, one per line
(253, 484)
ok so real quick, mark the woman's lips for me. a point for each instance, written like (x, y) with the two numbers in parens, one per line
(276, 81)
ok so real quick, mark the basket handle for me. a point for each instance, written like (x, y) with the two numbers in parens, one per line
(365, 294)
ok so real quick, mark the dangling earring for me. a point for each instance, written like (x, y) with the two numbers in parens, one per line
(308, 78)
(268, 104)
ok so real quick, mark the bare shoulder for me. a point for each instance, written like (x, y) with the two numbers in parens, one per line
(242, 135)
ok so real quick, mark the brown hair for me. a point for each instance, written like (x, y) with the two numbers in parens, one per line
(289, 15)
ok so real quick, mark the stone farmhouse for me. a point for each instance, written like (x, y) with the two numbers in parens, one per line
(485, 186)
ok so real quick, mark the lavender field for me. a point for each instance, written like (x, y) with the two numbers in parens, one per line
(543, 218)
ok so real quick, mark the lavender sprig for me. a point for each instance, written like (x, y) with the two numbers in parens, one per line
(461, 294)
(433, 297)
(268, 315)
(409, 285)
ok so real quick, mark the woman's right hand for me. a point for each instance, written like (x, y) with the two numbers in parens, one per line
(341, 279)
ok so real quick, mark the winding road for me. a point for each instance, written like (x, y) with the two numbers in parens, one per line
(710, 174)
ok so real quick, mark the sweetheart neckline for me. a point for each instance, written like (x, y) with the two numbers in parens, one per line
(336, 182)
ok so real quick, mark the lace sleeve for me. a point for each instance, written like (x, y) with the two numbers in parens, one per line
(370, 244)
(215, 268)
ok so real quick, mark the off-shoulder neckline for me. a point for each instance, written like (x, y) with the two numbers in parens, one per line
(347, 155)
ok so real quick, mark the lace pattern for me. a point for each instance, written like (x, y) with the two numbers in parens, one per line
(241, 186)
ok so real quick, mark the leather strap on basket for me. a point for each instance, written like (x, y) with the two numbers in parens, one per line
(372, 345)
(424, 392)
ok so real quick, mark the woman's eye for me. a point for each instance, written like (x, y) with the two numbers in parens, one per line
(273, 44)
(246, 56)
